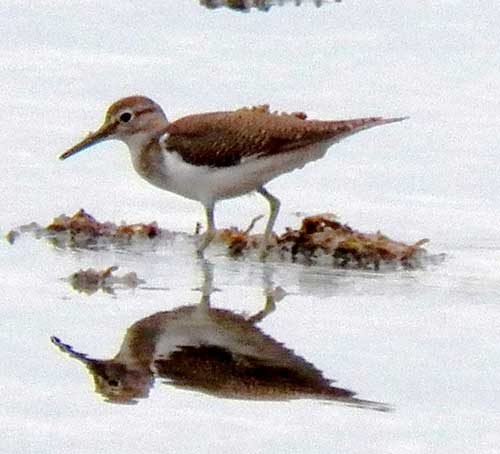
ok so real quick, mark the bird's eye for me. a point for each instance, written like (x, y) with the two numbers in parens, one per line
(125, 117)
(113, 382)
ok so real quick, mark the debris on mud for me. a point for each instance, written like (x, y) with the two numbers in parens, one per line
(322, 239)
(89, 281)
(83, 230)
(261, 5)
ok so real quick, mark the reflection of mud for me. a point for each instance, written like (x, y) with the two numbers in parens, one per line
(321, 239)
(89, 281)
(213, 351)
(261, 5)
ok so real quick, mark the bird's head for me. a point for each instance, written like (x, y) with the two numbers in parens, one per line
(130, 120)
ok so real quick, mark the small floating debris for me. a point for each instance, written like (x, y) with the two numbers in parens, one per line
(83, 230)
(89, 281)
(322, 239)
(261, 5)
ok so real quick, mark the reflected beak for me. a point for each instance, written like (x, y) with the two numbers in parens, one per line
(68, 349)
(105, 132)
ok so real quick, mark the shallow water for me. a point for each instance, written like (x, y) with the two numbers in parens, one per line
(424, 342)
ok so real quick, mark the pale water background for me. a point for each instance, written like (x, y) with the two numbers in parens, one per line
(426, 342)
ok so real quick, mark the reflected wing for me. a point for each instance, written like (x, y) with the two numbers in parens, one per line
(218, 370)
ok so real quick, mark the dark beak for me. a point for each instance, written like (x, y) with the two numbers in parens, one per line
(68, 349)
(105, 132)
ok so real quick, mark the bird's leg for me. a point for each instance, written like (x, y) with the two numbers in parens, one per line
(208, 236)
(207, 287)
(262, 314)
(274, 205)
(272, 293)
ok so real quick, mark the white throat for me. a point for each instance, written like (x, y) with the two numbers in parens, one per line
(136, 143)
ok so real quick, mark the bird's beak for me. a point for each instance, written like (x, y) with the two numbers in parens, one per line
(105, 132)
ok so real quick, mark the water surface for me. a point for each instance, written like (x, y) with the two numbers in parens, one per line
(423, 342)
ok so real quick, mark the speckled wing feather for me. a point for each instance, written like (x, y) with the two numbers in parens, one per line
(223, 139)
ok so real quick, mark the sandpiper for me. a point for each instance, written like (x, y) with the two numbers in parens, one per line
(219, 155)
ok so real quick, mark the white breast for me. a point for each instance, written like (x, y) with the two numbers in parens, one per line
(198, 328)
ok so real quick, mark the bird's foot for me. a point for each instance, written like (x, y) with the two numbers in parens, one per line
(264, 250)
(252, 224)
(206, 239)
(263, 254)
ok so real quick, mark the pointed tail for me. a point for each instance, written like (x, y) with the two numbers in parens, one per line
(359, 124)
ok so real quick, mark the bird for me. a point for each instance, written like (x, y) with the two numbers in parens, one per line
(208, 157)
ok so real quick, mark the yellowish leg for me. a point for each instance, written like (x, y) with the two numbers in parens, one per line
(268, 308)
(274, 205)
(209, 235)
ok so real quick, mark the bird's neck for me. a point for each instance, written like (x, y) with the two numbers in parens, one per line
(138, 346)
(145, 152)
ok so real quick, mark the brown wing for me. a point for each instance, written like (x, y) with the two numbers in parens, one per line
(223, 139)
(219, 371)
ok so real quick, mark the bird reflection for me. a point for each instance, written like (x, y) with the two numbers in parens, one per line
(210, 350)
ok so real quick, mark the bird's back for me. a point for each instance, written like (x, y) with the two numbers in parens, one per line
(223, 139)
